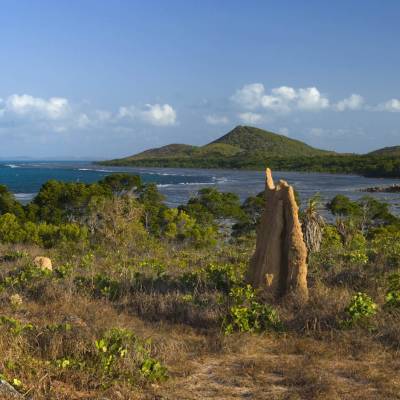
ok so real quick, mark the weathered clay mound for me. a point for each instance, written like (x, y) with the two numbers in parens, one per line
(279, 263)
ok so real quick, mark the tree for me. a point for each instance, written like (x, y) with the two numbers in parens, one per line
(153, 207)
(8, 204)
(220, 204)
(313, 225)
(122, 183)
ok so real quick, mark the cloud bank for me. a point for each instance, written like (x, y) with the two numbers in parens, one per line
(285, 99)
(57, 114)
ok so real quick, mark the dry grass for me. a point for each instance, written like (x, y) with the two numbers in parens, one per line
(313, 359)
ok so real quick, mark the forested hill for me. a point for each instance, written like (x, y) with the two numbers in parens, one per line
(252, 139)
(248, 147)
(387, 151)
(236, 143)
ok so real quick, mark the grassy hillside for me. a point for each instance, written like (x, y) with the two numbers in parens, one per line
(251, 148)
(387, 151)
(252, 139)
(171, 150)
(144, 302)
(243, 142)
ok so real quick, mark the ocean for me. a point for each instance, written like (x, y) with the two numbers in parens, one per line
(24, 179)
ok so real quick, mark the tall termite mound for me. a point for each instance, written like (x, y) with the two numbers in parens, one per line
(279, 264)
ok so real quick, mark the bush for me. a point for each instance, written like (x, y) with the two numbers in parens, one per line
(246, 314)
(112, 346)
(223, 276)
(361, 308)
(385, 246)
(177, 224)
(117, 344)
(10, 229)
(153, 370)
(116, 222)
(392, 298)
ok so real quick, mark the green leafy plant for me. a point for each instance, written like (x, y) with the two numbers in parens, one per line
(70, 363)
(153, 370)
(24, 276)
(16, 327)
(117, 343)
(246, 314)
(392, 298)
(112, 346)
(361, 308)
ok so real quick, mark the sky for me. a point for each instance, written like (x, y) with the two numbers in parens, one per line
(101, 79)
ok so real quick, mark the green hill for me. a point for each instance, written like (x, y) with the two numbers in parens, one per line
(386, 151)
(243, 142)
(247, 147)
(253, 139)
(171, 150)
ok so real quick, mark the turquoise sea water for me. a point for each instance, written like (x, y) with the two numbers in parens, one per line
(24, 179)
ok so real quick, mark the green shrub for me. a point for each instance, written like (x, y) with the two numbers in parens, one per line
(223, 276)
(356, 249)
(177, 224)
(361, 308)
(25, 276)
(385, 245)
(392, 298)
(153, 370)
(246, 314)
(10, 229)
(117, 344)
(99, 286)
(112, 346)
(15, 327)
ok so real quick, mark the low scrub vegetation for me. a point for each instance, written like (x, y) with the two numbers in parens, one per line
(146, 302)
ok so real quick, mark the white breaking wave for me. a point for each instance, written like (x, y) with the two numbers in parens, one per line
(94, 170)
(185, 183)
(24, 197)
(12, 166)
(196, 183)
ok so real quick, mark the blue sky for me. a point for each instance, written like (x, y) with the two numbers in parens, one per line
(109, 78)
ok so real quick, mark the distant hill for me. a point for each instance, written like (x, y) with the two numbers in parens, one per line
(386, 151)
(242, 141)
(252, 139)
(246, 147)
(170, 150)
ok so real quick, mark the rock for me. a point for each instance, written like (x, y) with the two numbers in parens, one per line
(279, 263)
(395, 188)
(8, 391)
(44, 263)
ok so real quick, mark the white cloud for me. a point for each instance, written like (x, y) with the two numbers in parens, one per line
(310, 99)
(160, 115)
(53, 108)
(23, 114)
(83, 121)
(250, 96)
(392, 105)
(154, 114)
(250, 117)
(285, 92)
(103, 115)
(353, 102)
(280, 99)
(216, 119)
